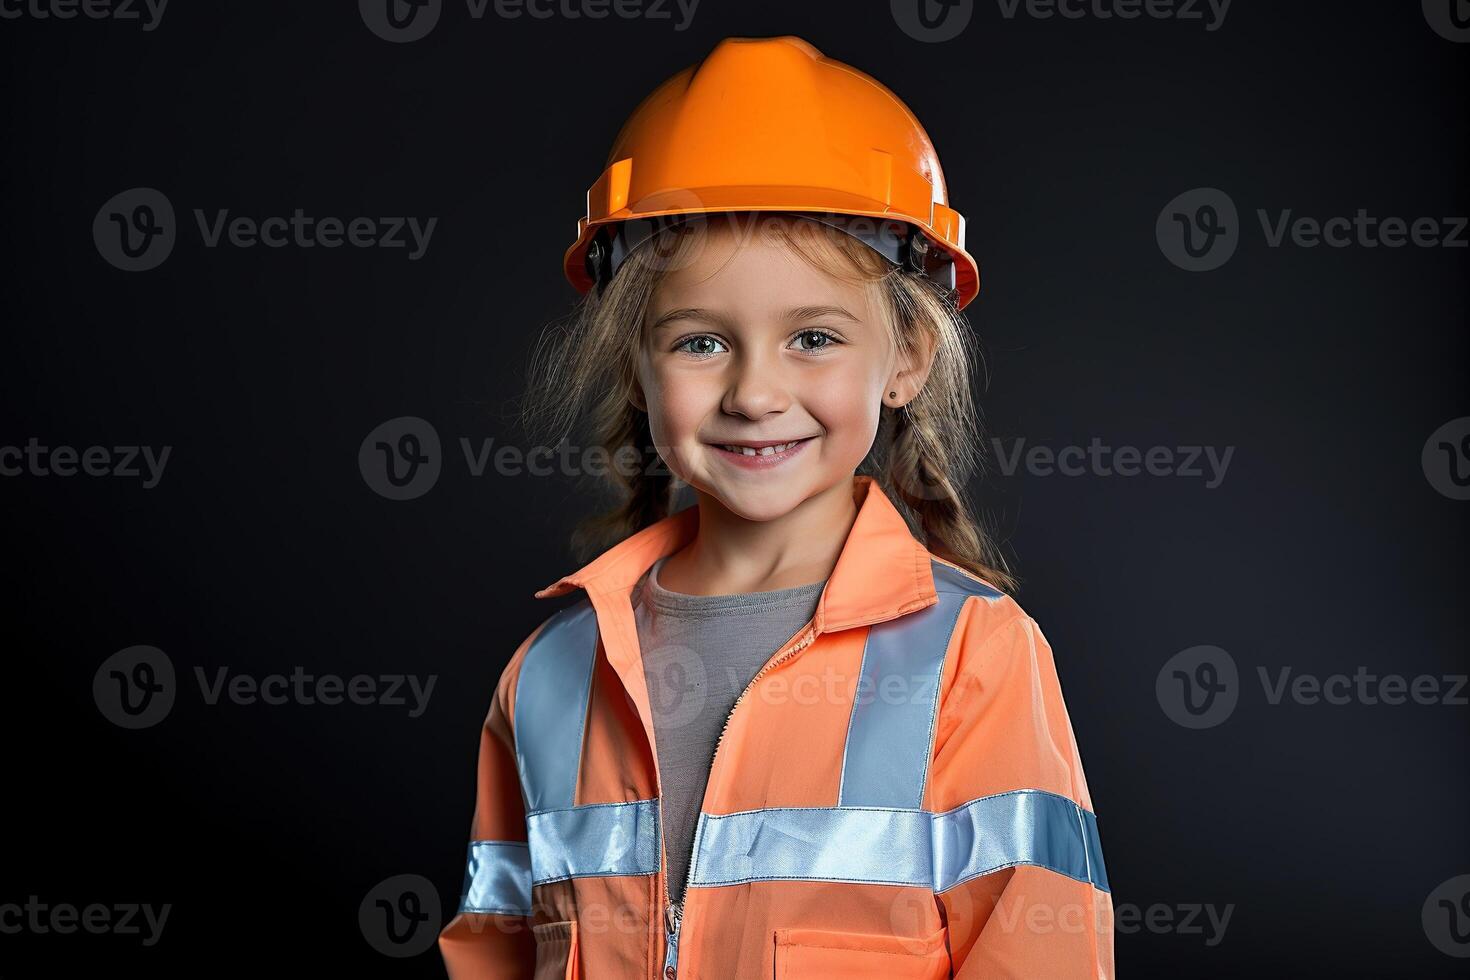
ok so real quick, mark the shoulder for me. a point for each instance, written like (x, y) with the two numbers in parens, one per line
(982, 607)
(1002, 723)
(561, 642)
(991, 628)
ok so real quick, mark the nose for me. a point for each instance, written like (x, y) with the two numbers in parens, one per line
(755, 387)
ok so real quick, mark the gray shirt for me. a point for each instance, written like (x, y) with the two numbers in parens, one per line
(699, 653)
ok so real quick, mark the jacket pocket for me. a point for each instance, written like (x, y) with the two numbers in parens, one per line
(806, 954)
(556, 951)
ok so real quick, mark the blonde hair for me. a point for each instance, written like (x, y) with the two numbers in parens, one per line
(584, 370)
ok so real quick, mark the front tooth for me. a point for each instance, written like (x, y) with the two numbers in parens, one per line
(747, 451)
(767, 450)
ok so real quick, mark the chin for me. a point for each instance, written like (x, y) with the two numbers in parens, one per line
(756, 503)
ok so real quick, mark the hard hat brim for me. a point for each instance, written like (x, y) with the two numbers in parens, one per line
(943, 226)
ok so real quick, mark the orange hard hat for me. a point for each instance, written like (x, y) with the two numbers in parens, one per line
(770, 124)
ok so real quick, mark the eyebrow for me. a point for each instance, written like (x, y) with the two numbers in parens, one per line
(799, 314)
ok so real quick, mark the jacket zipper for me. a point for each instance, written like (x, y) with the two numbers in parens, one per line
(674, 911)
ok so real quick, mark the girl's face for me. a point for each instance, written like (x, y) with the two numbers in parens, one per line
(746, 343)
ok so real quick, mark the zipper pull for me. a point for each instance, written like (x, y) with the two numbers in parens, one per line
(672, 917)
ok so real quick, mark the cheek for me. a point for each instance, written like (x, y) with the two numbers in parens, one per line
(677, 407)
(847, 407)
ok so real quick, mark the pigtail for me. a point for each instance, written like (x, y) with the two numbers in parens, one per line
(917, 477)
(925, 451)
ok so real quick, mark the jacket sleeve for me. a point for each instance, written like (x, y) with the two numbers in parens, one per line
(490, 936)
(1022, 887)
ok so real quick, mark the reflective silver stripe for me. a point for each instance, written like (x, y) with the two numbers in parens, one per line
(1026, 826)
(889, 733)
(876, 845)
(949, 581)
(594, 840)
(853, 844)
(497, 878)
(1097, 872)
(551, 706)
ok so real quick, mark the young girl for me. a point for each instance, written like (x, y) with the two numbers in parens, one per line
(797, 729)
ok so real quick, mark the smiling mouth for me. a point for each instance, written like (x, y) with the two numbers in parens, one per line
(760, 454)
(771, 450)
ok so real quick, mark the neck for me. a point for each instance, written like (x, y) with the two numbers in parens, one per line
(732, 554)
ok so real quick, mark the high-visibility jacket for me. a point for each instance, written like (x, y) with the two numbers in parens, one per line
(897, 793)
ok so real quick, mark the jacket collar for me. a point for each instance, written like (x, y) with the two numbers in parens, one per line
(882, 572)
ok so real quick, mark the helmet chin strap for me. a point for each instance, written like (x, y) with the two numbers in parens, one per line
(899, 242)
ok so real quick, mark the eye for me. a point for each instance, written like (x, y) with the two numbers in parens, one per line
(815, 340)
(700, 343)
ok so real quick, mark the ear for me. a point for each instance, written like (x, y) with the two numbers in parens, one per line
(908, 377)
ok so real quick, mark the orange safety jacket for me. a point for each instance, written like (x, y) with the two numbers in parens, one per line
(897, 793)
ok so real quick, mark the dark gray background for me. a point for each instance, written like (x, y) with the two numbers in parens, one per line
(262, 548)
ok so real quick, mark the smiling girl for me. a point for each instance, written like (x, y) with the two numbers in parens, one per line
(798, 728)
